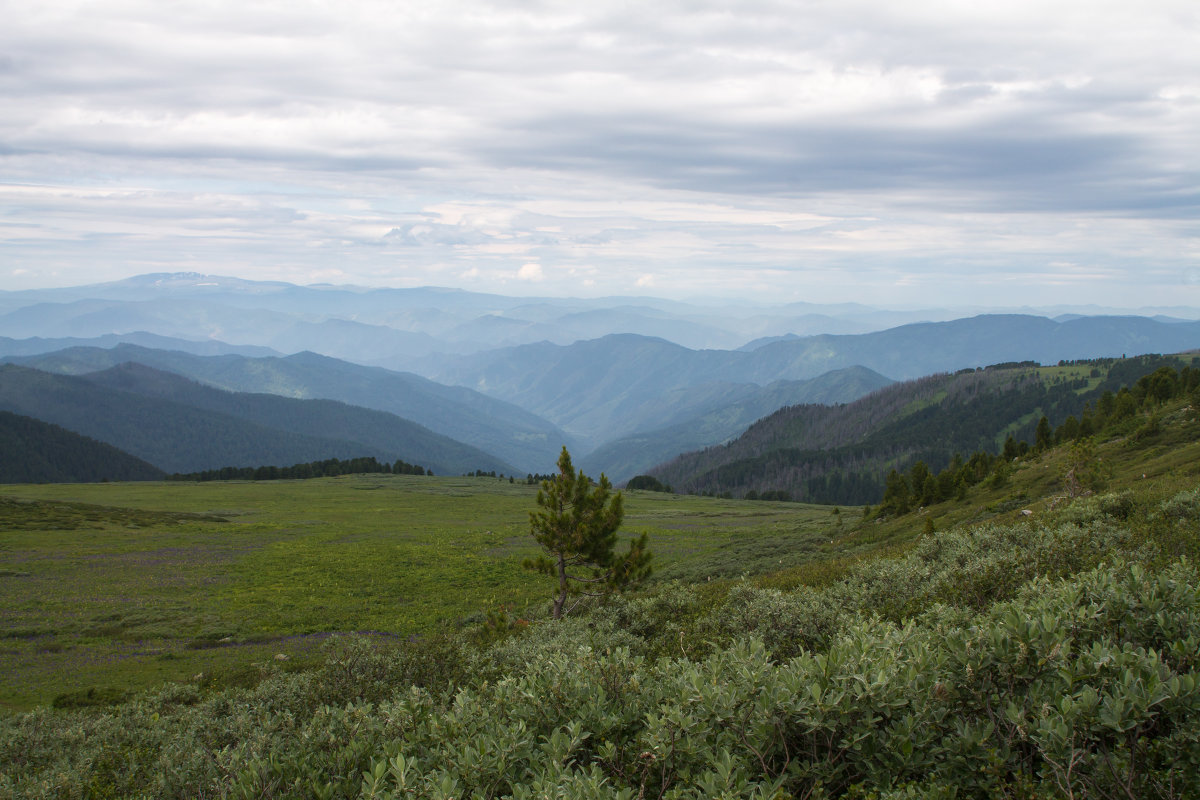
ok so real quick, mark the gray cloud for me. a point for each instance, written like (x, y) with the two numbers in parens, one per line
(807, 148)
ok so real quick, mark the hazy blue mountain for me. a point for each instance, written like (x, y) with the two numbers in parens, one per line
(596, 390)
(206, 347)
(429, 320)
(513, 435)
(398, 327)
(639, 452)
(328, 419)
(911, 351)
(691, 330)
(33, 451)
(609, 387)
(172, 436)
(207, 318)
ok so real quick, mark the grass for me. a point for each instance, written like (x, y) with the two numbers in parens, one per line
(116, 587)
(109, 588)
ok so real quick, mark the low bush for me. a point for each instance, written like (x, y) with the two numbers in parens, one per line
(1049, 660)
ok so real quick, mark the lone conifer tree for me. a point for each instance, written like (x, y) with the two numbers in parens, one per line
(577, 527)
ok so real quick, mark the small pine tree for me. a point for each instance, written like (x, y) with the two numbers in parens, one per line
(577, 527)
(895, 493)
(1044, 435)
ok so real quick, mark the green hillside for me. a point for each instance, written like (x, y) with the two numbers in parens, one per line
(513, 435)
(32, 451)
(180, 426)
(842, 454)
(1037, 637)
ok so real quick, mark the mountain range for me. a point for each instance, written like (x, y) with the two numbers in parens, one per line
(509, 434)
(397, 328)
(179, 425)
(625, 383)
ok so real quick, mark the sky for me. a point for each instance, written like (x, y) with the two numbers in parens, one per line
(901, 154)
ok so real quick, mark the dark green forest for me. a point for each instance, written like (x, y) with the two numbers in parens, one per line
(32, 451)
(328, 468)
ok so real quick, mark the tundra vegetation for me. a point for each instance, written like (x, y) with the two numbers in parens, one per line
(1037, 641)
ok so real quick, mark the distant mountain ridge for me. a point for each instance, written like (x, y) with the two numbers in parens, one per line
(911, 351)
(617, 385)
(208, 347)
(511, 435)
(151, 416)
(398, 327)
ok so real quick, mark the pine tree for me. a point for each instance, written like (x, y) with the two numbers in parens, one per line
(577, 527)
(1044, 435)
(895, 494)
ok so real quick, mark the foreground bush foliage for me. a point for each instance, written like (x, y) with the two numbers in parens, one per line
(1051, 660)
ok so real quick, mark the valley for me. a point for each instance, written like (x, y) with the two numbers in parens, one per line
(913, 562)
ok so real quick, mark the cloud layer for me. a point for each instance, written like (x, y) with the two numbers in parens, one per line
(1001, 153)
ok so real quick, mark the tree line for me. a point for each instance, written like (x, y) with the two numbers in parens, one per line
(328, 468)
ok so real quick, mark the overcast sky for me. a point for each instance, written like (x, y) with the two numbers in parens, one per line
(919, 153)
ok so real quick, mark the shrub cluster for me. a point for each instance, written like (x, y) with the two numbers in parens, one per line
(1086, 687)
(1054, 660)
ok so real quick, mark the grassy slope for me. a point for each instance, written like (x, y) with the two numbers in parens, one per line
(124, 592)
(1153, 468)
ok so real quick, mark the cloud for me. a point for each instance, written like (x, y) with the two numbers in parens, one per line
(530, 272)
(778, 149)
(421, 234)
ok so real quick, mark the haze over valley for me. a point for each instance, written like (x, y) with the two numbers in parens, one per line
(626, 383)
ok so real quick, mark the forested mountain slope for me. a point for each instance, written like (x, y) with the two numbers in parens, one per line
(723, 417)
(512, 435)
(175, 436)
(328, 419)
(841, 454)
(33, 451)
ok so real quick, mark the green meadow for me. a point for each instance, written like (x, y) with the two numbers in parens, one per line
(116, 587)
